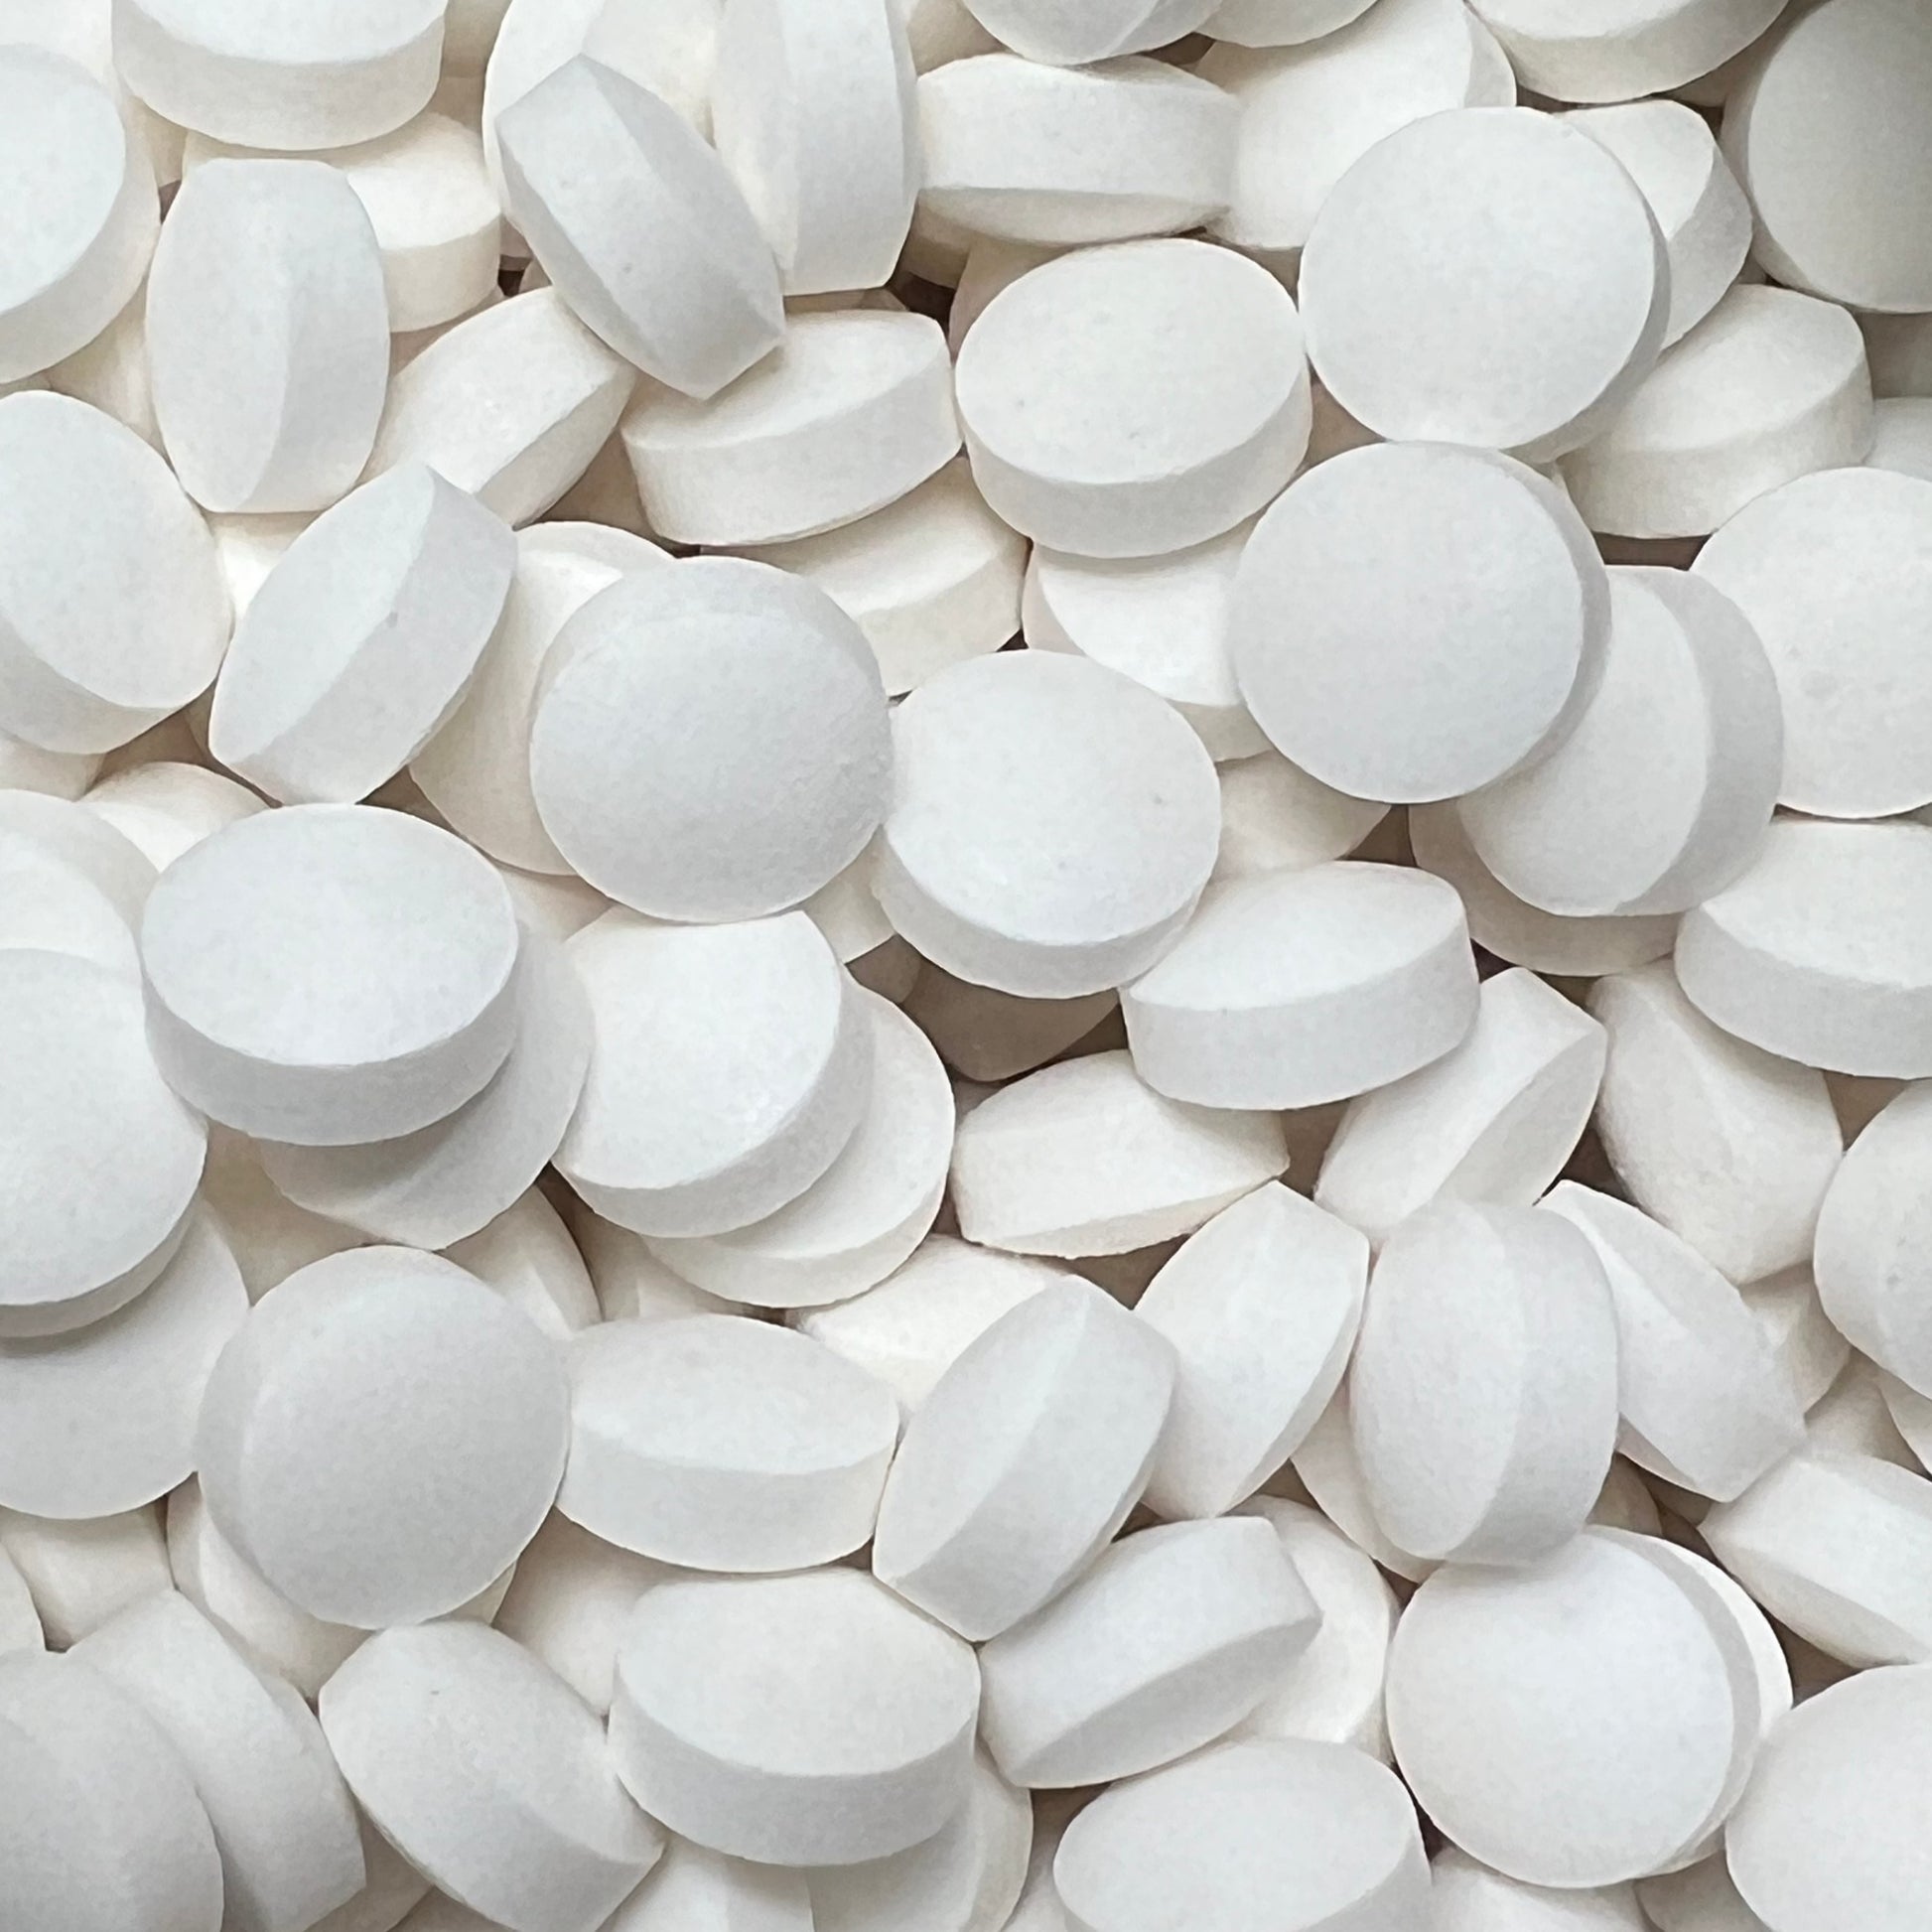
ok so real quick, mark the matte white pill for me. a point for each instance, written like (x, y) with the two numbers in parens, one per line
(691, 1890)
(489, 1774)
(1702, 1398)
(1660, 793)
(282, 1818)
(382, 1436)
(165, 808)
(804, 1720)
(811, 114)
(1299, 987)
(60, 774)
(271, 1237)
(869, 1210)
(1609, 1644)
(1161, 620)
(1772, 384)
(77, 236)
(102, 1419)
(1729, 1148)
(1332, 1692)
(711, 740)
(628, 1280)
(1515, 930)
(723, 1443)
(1700, 1898)
(1870, 1244)
(1023, 1460)
(431, 205)
(853, 410)
(1069, 35)
(511, 404)
(1493, 1120)
(1483, 1390)
(1827, 1833)
(83, 1101)
(1839, 1549)
(327, 691)
(1807, 1347)
(112, 371)
(1411, 621)
(112, 608)
(527, 1254)
(931, 578)
(1071, 154)
(268, 336)
(592, 160)
(990, 1036)
(20, 1624)
(1017, 776)
(1301, 1837)
(1818, 952)
(84, 1571)
(1837, 621)
(1902, 435)
(48, 906)
(1825, 136)
(910, 1329)
(1025, 1176)
(1313, 102)
(1261, 1305)
(1084, 431)
(1439, 223)
(99, 1825)
(474, 769)
(1468, 1898)
(393, 1889)
(730, 1066)
(1626, 48)
(274, 1013)
(447, 1180)
(569, 1602)
(1274, 815)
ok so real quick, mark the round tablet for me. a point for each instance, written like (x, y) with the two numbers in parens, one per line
(1620, 49)
(283, 1821)
(1488, 276)
(1274, 815)
(1024, 1461)
(802, 1719)
(268, 336)
(1413, 621)
(811, 112)
(1770, 385)
(1834, 571)
(1279, 23)
(1023, 1175)
(1902, 435)
(167, 808)
(725, 1443)
(490, 1775)
(99, 1824)
(283, 74)
(1067, 156)
(512, 404)
(691, 1890)
(1291, 989)
(103, 1419)
(1572, 1723)
(1827, 135)
(1818, 952)
(730, 1066)
(1483, 1389)
(76, 239)
(1829, 1835)
(1703, 1400)
(81, 840)
(870, 1208)
(447, 1180)
(1088, 433)
(1731, 1148)
(1048, 31)
(1311, 109)
(711, 740)
(112, 608)
(1468, 1898)
(853, 410)
(1051, 826)
(640, 227)
(361, 638)
(1660, 793)
(382, 1436)
(1493, 1120)
(272, 1012)
(82, 1099)
(1294, 1837)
